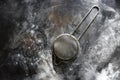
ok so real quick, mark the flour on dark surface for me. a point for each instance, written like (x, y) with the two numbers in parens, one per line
(28, 28)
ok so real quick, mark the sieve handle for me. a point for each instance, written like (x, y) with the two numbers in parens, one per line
(87, 27)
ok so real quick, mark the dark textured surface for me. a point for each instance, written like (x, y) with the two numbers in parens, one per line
(28, 27)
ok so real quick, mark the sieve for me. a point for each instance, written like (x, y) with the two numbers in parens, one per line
(66, 47)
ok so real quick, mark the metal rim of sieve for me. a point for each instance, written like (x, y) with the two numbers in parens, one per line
(76, 41)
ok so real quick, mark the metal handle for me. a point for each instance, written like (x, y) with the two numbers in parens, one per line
(96, 7)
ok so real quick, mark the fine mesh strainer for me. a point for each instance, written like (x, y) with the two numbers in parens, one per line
(65, 47)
